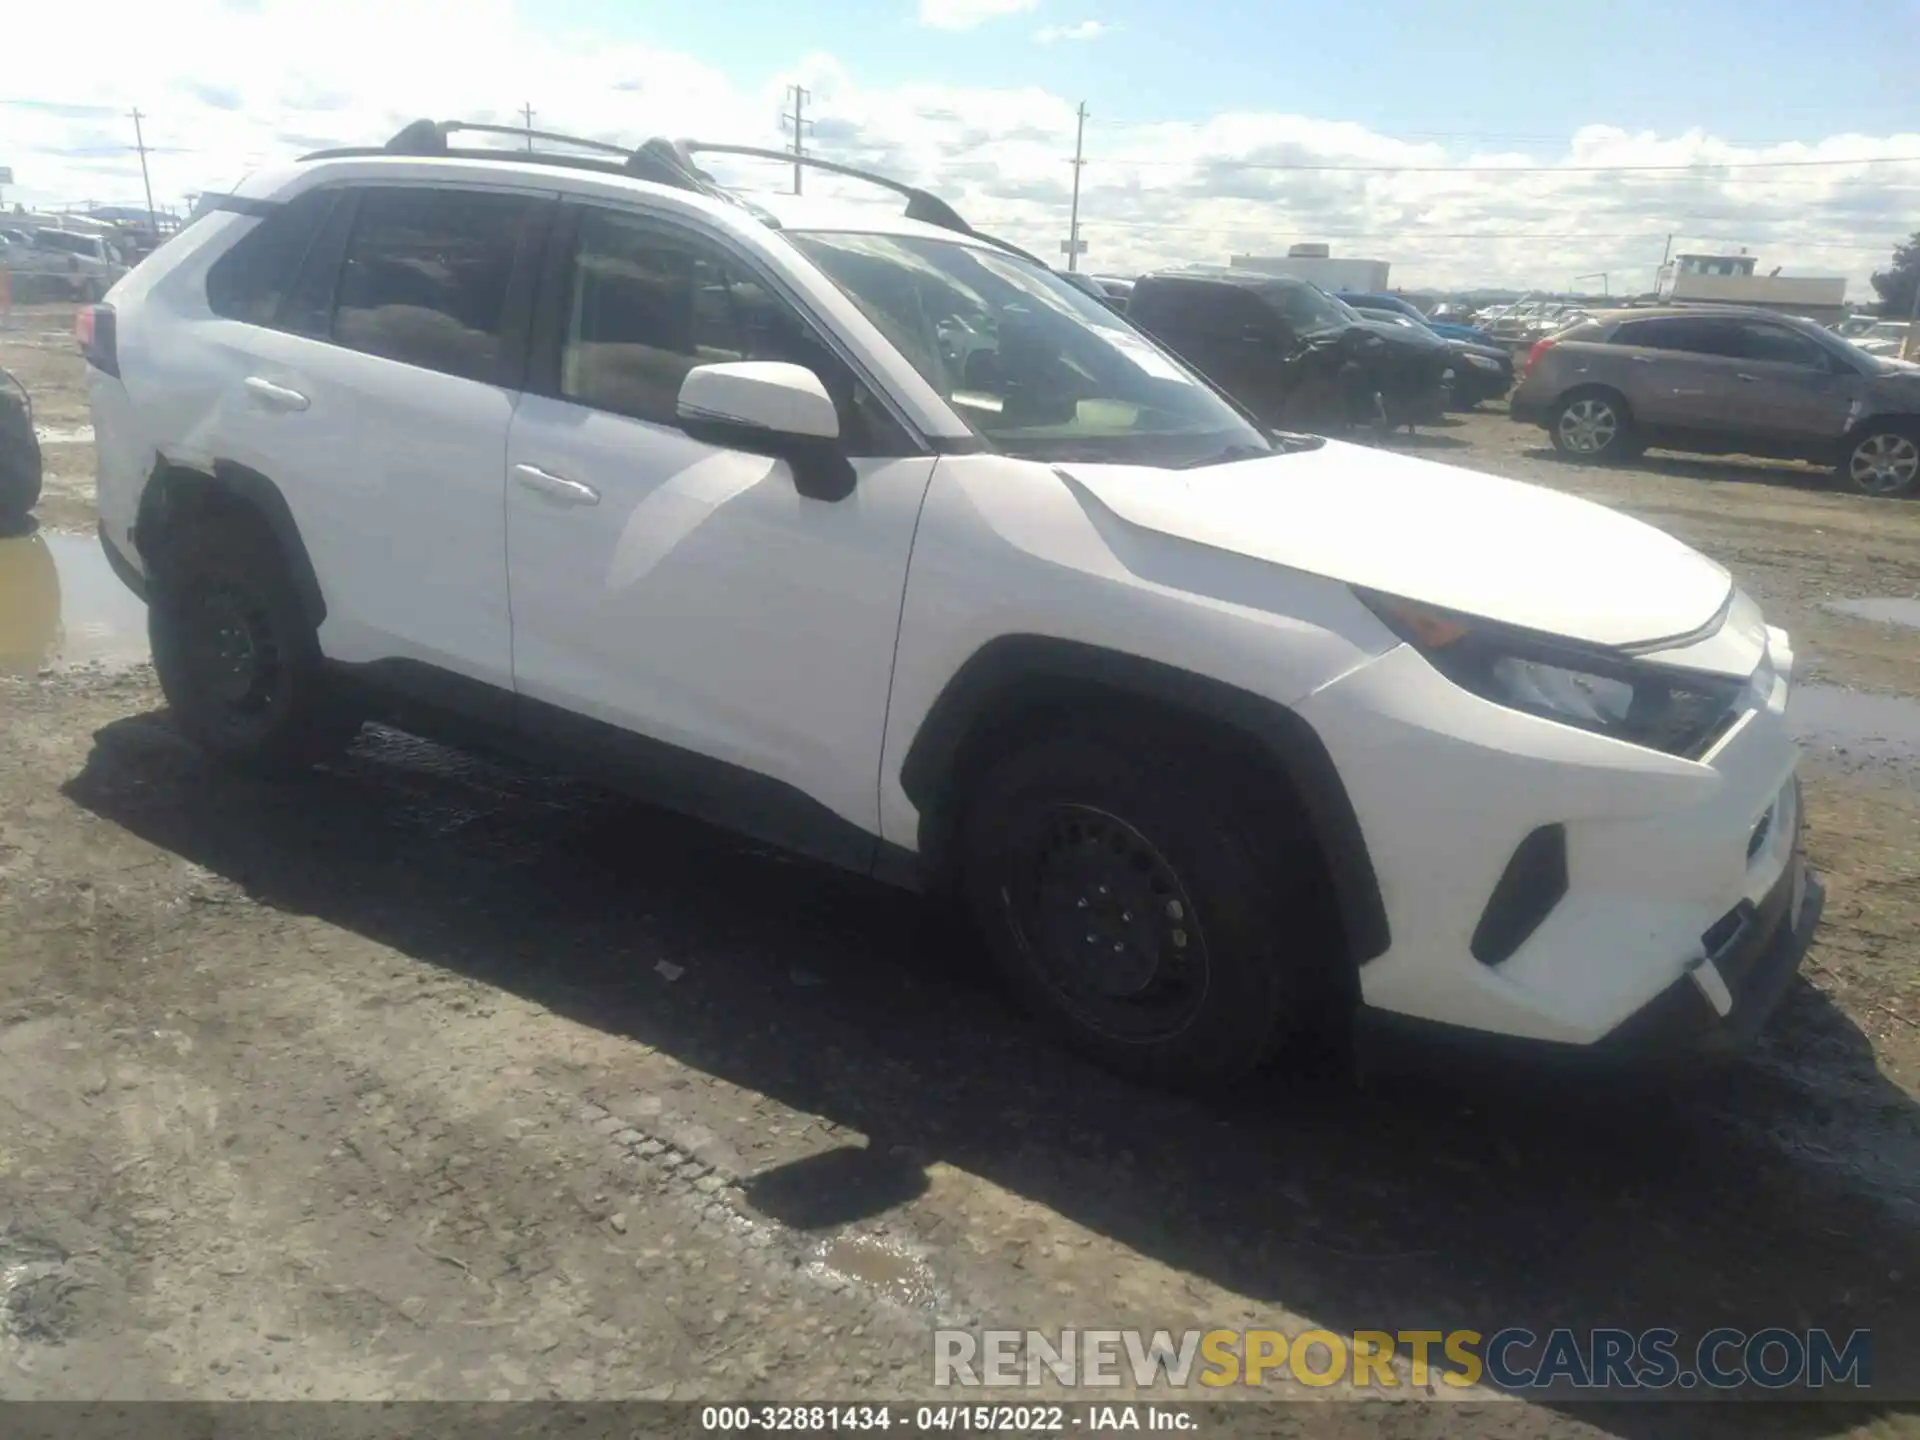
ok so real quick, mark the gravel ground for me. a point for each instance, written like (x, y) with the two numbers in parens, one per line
(420, 1078)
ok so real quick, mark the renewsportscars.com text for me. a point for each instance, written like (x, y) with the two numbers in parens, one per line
(1509, 1359)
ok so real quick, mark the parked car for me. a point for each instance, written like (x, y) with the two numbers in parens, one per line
(1220, 735)
(20, 474)
(1885, 338)
(1480, 372)
(70, 264)
(1289, 352)
(1086, 285)
(1725, 381)
(1119, 291)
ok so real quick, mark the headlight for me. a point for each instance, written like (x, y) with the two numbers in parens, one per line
(1483, 362)
(1677, 713)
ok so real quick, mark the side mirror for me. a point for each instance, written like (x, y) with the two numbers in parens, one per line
(770, 407)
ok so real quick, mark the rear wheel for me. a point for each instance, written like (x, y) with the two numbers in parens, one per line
(1883, 459)
(1593, 425)
(234, 652)
(1158, 918)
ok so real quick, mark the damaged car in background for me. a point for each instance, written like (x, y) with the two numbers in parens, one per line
(1291, 354)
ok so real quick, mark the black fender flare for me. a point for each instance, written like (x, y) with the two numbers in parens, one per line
(1011, 674)
(242, 487)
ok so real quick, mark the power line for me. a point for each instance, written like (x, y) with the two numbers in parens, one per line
(1225, 164)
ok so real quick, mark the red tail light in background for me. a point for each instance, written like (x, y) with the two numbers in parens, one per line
(93, 327)
(1540, 347)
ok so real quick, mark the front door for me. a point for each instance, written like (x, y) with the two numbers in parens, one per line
(1787, 393)
(680, 608)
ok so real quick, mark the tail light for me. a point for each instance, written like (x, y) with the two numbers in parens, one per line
(94, 328)
(1540, 347)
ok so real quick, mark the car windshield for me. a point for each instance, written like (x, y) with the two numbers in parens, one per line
(1037, 368)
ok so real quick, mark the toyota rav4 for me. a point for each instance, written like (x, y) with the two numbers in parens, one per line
(867, 535)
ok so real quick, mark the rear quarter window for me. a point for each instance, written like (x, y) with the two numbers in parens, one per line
(248, 282)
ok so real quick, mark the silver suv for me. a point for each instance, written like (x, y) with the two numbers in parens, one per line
(1725, 381)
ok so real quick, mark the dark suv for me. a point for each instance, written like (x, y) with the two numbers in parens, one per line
(1725, 381)
(1290, 353)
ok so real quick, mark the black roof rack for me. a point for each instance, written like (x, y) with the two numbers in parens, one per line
(663, 162)
(922, 205)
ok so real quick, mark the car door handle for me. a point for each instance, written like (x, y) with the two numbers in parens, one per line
(555, 487)
(275, 397)
(1748, 378)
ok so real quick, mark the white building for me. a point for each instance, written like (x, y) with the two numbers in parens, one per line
(1316, 263)
(1729, 280)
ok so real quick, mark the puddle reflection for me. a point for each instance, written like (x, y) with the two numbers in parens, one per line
(61, 607)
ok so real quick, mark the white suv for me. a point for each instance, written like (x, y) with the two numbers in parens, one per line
(871, 537)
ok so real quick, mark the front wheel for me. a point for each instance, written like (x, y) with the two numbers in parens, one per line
(1883, 460)
(1154, 912)
(1592, 426)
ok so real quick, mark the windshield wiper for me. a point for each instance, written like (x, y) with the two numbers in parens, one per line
(1284, 443)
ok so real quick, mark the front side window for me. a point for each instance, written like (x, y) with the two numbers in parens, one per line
(427, 278)
(1036, 368)
(648, 301)
(1779, 345)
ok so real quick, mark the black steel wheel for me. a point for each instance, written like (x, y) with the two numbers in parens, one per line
(235, 653)
(1160, 911)
(1109, 925)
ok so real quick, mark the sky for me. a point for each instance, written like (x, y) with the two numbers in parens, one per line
(1485, 143)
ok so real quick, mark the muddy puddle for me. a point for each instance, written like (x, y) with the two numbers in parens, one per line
(1886, 609)
(62, 607)
(1858, 726)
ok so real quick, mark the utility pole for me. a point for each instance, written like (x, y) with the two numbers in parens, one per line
(1073, 247)
(797, 118)
(140, 144)
(527, 111)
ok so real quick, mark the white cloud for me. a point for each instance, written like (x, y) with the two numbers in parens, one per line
(965, 14)
(1152, 194)
(1085, 30)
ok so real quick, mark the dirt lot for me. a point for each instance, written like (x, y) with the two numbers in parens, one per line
(419, 1078)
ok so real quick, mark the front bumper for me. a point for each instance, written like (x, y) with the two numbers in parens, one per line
(1721, 1006)
(1680, 1027)
(1657, 853)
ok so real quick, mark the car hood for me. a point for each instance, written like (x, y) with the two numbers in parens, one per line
(1459, 539)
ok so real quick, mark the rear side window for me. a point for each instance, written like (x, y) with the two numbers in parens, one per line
(247, 282)
(1681, 333)
(429, 275)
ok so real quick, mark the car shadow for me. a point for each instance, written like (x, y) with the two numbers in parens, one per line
(1740, 470)
(1423, 439)
(1420, 1200)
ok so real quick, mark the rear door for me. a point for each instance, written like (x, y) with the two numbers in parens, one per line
(375, 392)
(1789, 393)
(1677, 372)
